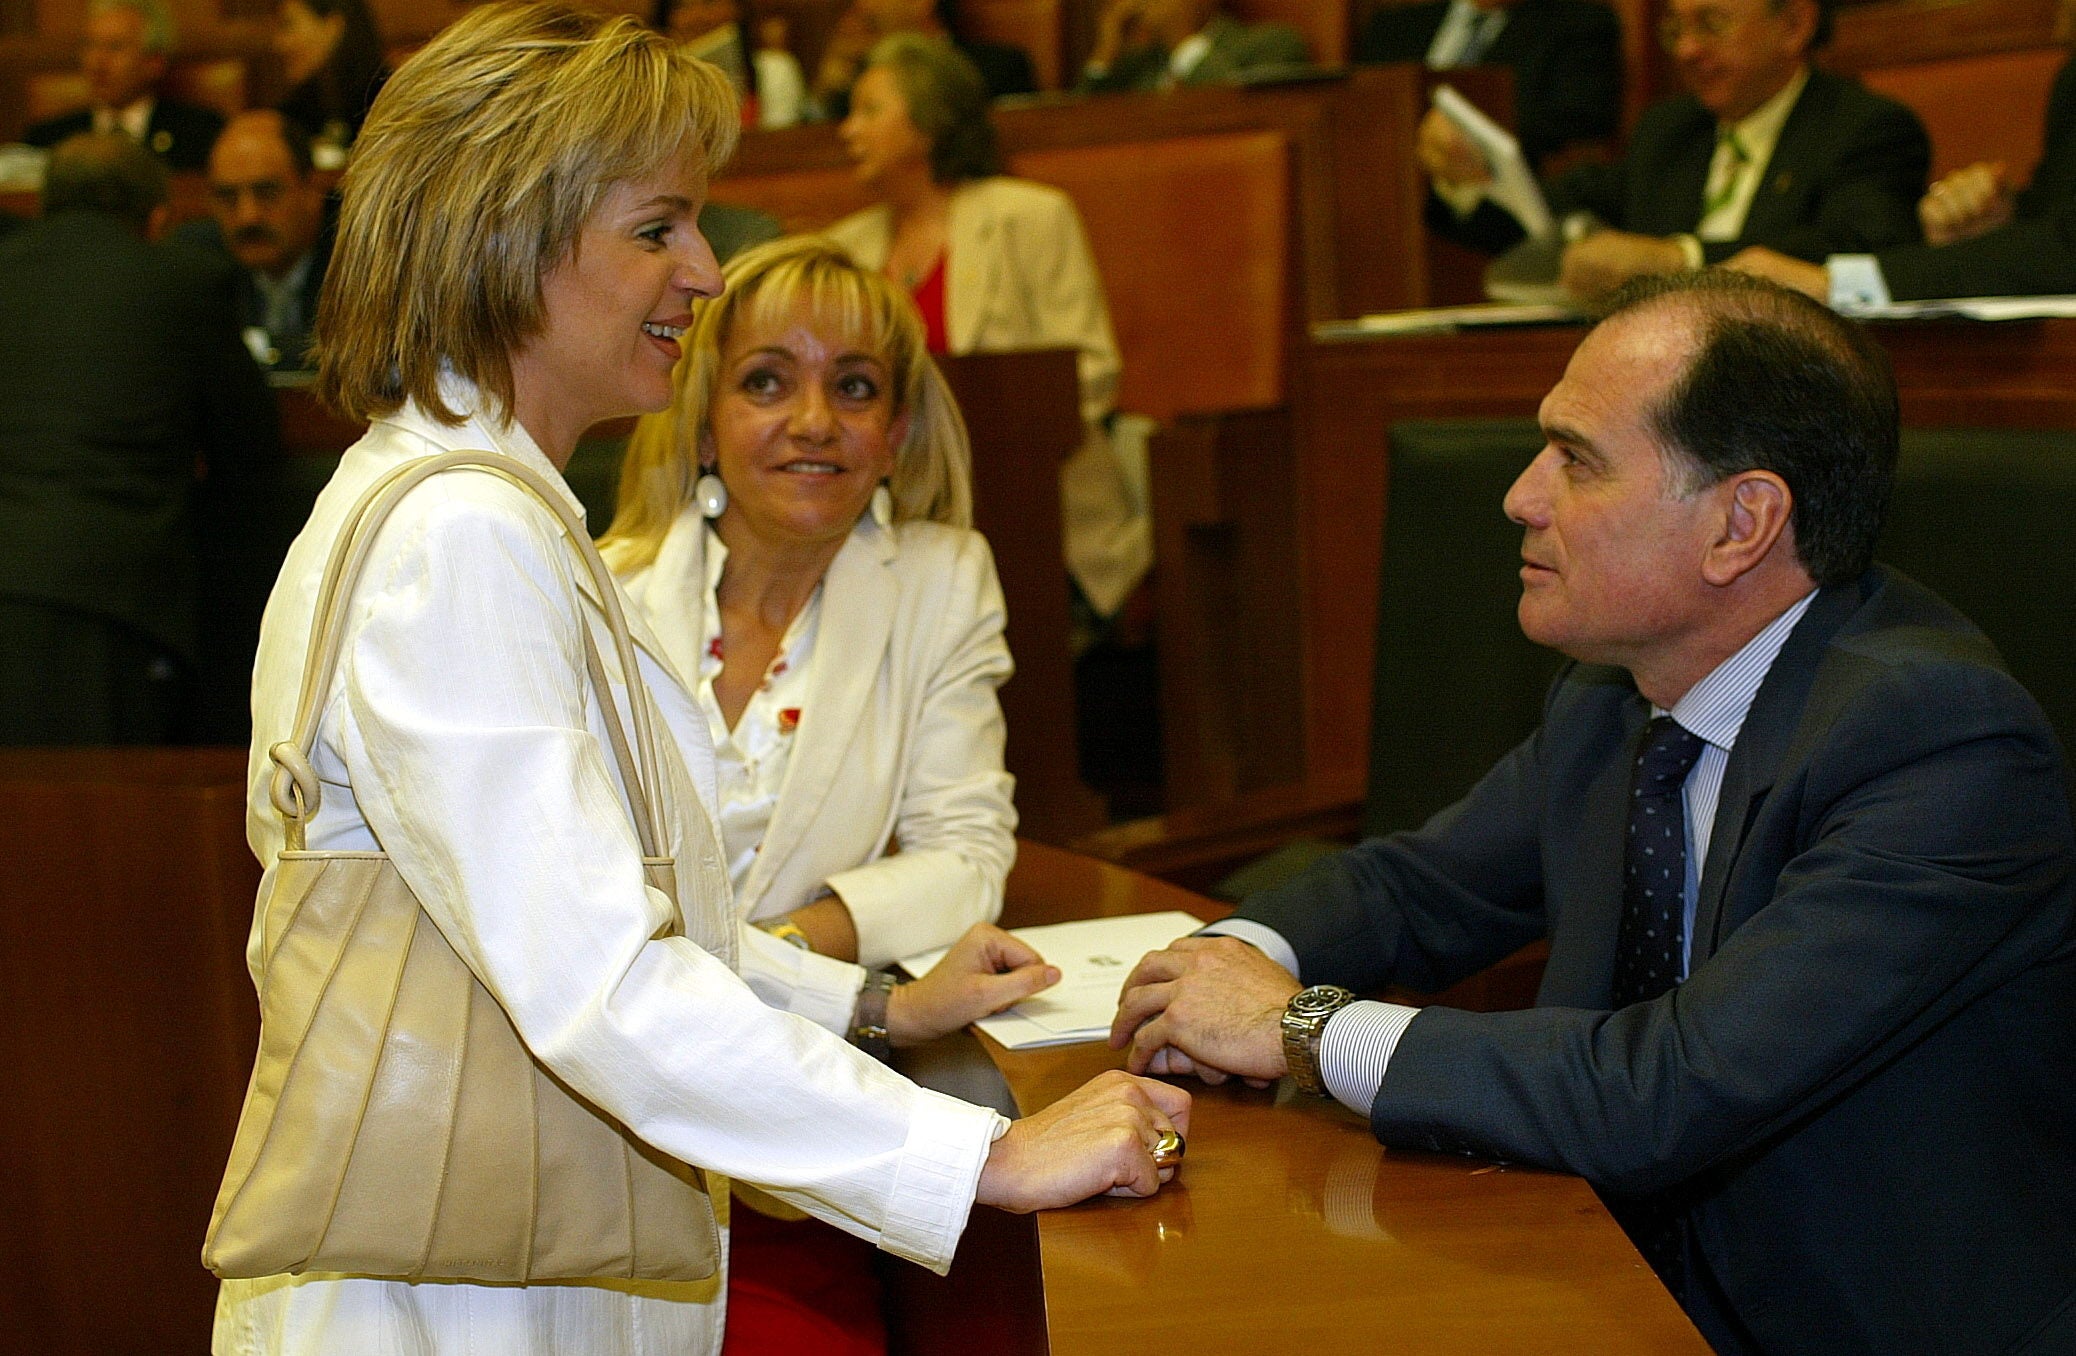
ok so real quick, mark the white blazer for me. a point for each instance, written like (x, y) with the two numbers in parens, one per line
(900, 738)
(461, 735)
(1019, 274)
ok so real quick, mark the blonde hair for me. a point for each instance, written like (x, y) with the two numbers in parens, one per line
(933, 468)
(481, 161)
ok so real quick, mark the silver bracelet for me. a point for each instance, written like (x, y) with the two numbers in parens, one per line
(869, 1019)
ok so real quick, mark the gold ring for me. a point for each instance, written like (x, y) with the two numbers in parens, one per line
(1168, 1149)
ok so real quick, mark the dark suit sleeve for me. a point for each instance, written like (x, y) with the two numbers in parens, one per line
(1398, 33)
(1928, 863)
(1572, 92)
(1867, 199)
(1139, 69)
(1427, 908)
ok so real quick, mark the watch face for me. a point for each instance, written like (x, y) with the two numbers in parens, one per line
(1319, 1000)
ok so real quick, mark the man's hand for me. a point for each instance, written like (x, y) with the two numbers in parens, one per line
(1605, 260)
(986, 971)
(1448, 156)
(1098, 1138)
(1216, 1001)
(1966, 203)
(1810, 279)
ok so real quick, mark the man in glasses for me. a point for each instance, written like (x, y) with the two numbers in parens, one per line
(1763, 149)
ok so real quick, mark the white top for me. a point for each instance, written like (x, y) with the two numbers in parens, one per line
(460, 734)
(892, 792)
(750, 761)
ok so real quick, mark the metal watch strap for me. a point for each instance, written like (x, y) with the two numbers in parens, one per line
(1303, 1019)
(869, 1020)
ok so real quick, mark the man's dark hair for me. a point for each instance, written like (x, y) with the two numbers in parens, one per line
(296, 137)
(1780, 383)
(104, 172)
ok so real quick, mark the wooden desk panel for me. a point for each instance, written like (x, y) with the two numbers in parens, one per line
(1290, 1224)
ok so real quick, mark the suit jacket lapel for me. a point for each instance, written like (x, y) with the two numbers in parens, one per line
(1792, 155)
(859, 597)
(1755, 760)
(974, 258)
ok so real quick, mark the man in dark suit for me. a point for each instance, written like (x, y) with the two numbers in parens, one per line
(1801, 850)
(1762, 149)
(1566, 56)
(121, 375)
(1983, 237)
(123, 58)
(1158, 44)
(273, 218)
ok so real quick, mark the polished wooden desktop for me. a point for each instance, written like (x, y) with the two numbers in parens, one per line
(1288, 1224)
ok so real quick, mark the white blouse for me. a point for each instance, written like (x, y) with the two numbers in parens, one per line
(750, 761)
(461, 735)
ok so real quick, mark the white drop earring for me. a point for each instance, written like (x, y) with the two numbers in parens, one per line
(883, 505)
(711, 495)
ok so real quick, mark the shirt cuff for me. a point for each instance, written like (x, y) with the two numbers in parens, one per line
(1856, 282)
(939, 1174)
(793, 979)
(1260, 936)
(1355, 1048)
(1690, 246)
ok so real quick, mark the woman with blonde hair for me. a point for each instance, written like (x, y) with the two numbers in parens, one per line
(517, 260)
(797, 531)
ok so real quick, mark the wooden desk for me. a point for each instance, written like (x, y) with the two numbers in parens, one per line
(1289, 1225)
(128, 1025)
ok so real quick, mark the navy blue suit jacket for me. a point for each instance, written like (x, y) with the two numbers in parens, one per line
(1862, 1101)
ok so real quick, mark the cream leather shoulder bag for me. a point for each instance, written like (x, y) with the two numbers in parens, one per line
(395, 1124)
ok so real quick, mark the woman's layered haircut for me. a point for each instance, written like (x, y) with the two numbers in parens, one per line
(479, 164)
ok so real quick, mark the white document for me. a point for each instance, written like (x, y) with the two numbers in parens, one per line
(1972, 308)
(1439, 319)
(1513, 184)
(1093, 956)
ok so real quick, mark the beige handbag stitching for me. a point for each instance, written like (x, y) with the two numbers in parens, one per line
(369, 1021)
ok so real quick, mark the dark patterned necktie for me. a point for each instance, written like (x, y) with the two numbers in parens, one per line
(1651, 945)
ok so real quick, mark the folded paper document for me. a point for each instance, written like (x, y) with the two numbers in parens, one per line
(1093, 957)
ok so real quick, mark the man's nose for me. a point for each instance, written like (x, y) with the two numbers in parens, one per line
(1525, 501)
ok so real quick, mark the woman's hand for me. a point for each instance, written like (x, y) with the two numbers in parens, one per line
(1448, 155)
(1098, 1138)
(986, 971)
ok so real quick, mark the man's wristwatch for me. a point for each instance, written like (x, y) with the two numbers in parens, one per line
(1303, 1019)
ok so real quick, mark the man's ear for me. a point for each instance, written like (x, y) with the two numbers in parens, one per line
(158, 223)
(1757, 509)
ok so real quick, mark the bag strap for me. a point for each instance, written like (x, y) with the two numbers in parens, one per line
(294, 789)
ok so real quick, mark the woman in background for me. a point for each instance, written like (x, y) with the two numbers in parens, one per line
(994, 264)
(332, 55)
(796, 529)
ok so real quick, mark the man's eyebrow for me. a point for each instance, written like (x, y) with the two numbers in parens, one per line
(1567, 435)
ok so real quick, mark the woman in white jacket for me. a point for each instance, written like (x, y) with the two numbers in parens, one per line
(797, 531)
(517, 257)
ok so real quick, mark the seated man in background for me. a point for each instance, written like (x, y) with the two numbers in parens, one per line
(123, 59)
(1003, 68)
(1801, 849)
(1566, 56)
(121, 372)
(1983, 238)
(1158, 44)
(272, 216)
(1763, 149)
